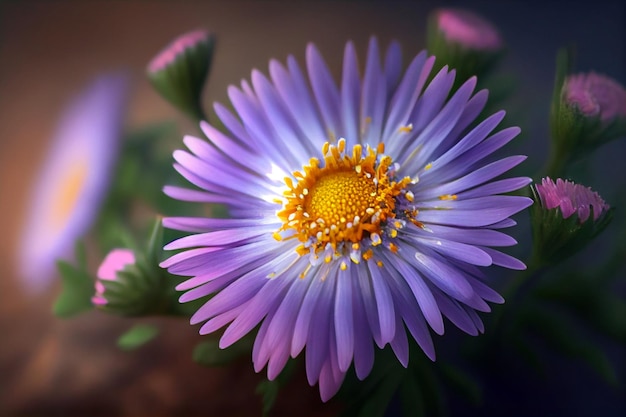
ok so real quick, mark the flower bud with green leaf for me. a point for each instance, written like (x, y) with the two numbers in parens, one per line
(115, 261)
(180, 70)
(589, 111)
(565, 218)
(130, 282)
(124, 287)
(464, 41)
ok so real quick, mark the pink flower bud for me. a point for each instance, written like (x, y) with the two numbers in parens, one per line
(115, 261)
(178, 46)
(595, 95)
(571, 198)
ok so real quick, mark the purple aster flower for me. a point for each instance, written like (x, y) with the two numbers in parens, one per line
(571, 198)
(595, 95)
(357, 212)
(73, 180)
(115, 261)
(468, 29)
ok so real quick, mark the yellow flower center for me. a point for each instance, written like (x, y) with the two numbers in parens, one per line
(347, 200)
(339, 196)
(70, 188)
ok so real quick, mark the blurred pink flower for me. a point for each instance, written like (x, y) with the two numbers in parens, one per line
(595, 95)
(468, 29)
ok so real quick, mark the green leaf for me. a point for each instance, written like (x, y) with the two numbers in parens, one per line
(145, 137)
(210, 354)
(462, 382)
(81, 255)
(589, 301)
(76, 293)
(155, 242)
(412, 398)
(564, 64)
(433, 391)
(563, 338)
(269, 389)
(137, 336)
(527, 351)
(269, 392)
(378, 401)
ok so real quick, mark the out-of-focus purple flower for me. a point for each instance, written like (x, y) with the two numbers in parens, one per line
(571, 198)
(357, 212)
(595, 95)
(180, 70)
(468, 29)
(115, 261)
(74, 179)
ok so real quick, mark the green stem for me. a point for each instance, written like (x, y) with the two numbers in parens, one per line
(196, 113)
(511, 291)
(557, 163)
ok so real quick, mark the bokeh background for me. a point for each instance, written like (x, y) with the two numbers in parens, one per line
(49, 50)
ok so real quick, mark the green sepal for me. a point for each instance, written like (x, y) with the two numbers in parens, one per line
(144, 288)
(137, 336)
(154, 248)
(77, 286)
(181, 81)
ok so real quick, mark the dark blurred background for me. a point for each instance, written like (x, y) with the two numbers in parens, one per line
(49, 50)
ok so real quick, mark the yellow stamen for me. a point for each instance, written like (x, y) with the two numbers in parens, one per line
(303, 273)
(406, 129)
(348, 199)
(393, 248)
(302, 250)
(448, 197)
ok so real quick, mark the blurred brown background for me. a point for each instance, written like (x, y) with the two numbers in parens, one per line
(49, 50)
